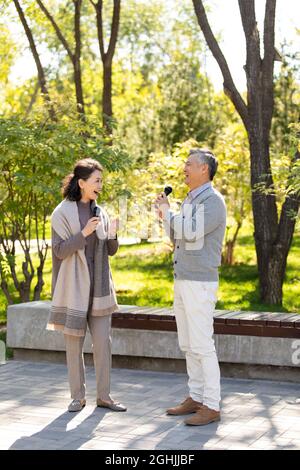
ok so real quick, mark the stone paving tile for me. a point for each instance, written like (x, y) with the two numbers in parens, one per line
(263, 444)
(34, 396)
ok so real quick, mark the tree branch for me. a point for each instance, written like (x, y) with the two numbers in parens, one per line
(247, 11)
(269, 32)
(268, 63)
(57, 29)
(253, 61)
(229, 86)
(98, 9)
(40, 70)
(114, 30)
(77, 4)
(108, 55)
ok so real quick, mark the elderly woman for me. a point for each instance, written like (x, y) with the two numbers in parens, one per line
(82, 289)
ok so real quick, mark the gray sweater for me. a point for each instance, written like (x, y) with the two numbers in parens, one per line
(197, 233)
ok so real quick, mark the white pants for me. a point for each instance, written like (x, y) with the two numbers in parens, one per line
(194, 304)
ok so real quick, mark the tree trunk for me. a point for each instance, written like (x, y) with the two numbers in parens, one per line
(272, 238)
(265, 223)
(107, 58)
(107, 96)
(40, 282)
(77, 58)
(4, 287)
(271, 276)
(78, 87)
(265, 216)
(227, 256)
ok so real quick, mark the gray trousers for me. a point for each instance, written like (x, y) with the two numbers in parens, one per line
(100, 328)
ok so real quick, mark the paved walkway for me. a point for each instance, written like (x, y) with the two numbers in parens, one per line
(255, 414)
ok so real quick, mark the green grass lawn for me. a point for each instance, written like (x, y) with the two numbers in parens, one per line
(143, 276)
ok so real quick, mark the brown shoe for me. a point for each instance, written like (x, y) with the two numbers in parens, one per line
(186, 407)
(203, 416)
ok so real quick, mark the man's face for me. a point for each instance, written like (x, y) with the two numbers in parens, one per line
(196, 173)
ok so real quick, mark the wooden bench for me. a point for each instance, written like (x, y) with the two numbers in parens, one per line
(229, 322)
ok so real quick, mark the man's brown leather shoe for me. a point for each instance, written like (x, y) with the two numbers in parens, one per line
(186, 407)
(203, 416)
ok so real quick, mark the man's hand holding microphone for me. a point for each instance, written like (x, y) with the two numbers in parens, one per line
(162, 203)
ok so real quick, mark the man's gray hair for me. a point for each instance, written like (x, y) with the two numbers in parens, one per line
(206, 156)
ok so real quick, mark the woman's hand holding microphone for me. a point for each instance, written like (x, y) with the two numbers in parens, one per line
(90, 226)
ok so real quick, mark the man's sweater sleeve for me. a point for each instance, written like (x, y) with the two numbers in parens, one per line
(169, 230)
(193, 222)
(64, 248)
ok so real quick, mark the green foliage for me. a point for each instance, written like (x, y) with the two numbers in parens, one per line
(35, 156)
(233, 181)
(162, 94)
(286, 171)
(142, 32)
(294, 182)
(8, 52)
(286, 101)
(188, 108)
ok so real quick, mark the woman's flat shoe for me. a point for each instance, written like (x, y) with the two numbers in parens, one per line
(77, 405)
(114, 406)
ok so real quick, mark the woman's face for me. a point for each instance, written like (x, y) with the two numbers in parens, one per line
(91, 187)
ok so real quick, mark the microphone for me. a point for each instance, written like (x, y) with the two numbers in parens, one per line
(96, 211)
(168, 190)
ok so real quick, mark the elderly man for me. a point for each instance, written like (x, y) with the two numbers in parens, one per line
(197, 233)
